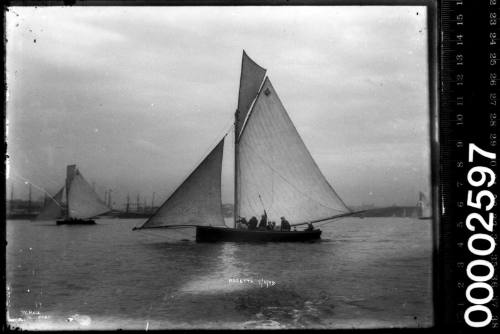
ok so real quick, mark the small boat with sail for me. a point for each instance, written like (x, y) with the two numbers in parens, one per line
(423, 207)
(274, 174)
(81, 205)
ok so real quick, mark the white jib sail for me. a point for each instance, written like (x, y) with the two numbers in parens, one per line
(276, 171)
(197, 201)
(53, 209)
(83, 202)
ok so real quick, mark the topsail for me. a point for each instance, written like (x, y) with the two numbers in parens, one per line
(250, 82)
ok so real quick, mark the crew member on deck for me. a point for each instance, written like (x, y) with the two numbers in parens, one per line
(285, 225)
(242, 222)
(252, 223)
(263, 221)
(310, 227)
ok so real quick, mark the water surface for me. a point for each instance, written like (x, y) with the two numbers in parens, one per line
(372, 272)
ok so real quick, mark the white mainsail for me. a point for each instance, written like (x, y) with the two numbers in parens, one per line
(276, 171)
(197, 201)
(82, 200)
(53, 208)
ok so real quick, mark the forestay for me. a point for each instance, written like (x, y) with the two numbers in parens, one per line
(197, 201)
(83, 202)
(53, 208)
(276, 171)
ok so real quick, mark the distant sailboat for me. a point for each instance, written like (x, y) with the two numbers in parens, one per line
(82, 203)
(423, 207)
(274, 174)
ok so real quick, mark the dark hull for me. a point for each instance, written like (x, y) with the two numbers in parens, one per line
(75, 222)
(216, 234)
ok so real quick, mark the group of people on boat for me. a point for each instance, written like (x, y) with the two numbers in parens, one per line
(254, 224)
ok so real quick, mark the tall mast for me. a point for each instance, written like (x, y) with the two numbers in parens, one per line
(251, 79)
(236, 150)
(67, 193)
(71, 171)
(137, 203)
(11, 197)
(236, 168)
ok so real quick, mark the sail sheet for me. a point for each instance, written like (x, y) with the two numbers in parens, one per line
(276, 171)
(83, 202)
(197, 201)
(251, 79)
(53, 207)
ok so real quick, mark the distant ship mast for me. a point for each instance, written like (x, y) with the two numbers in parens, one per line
(29, 197)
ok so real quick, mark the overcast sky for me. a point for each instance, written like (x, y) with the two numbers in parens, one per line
(137, 96)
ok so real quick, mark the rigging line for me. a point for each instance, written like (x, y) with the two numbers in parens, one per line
(312, 199)
(21, 178)
(11, 169)
(262, 203)
(330, 220)
(255, 185)
(348, 214)
(285, 212)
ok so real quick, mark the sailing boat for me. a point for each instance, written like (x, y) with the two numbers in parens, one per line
(82, 203)
(423, 207)
(274, 174)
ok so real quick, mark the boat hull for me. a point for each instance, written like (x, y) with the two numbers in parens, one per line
(217, 234)
(75, 222)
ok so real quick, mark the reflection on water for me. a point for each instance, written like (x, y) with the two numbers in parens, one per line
(365, 273)
(218, 280)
